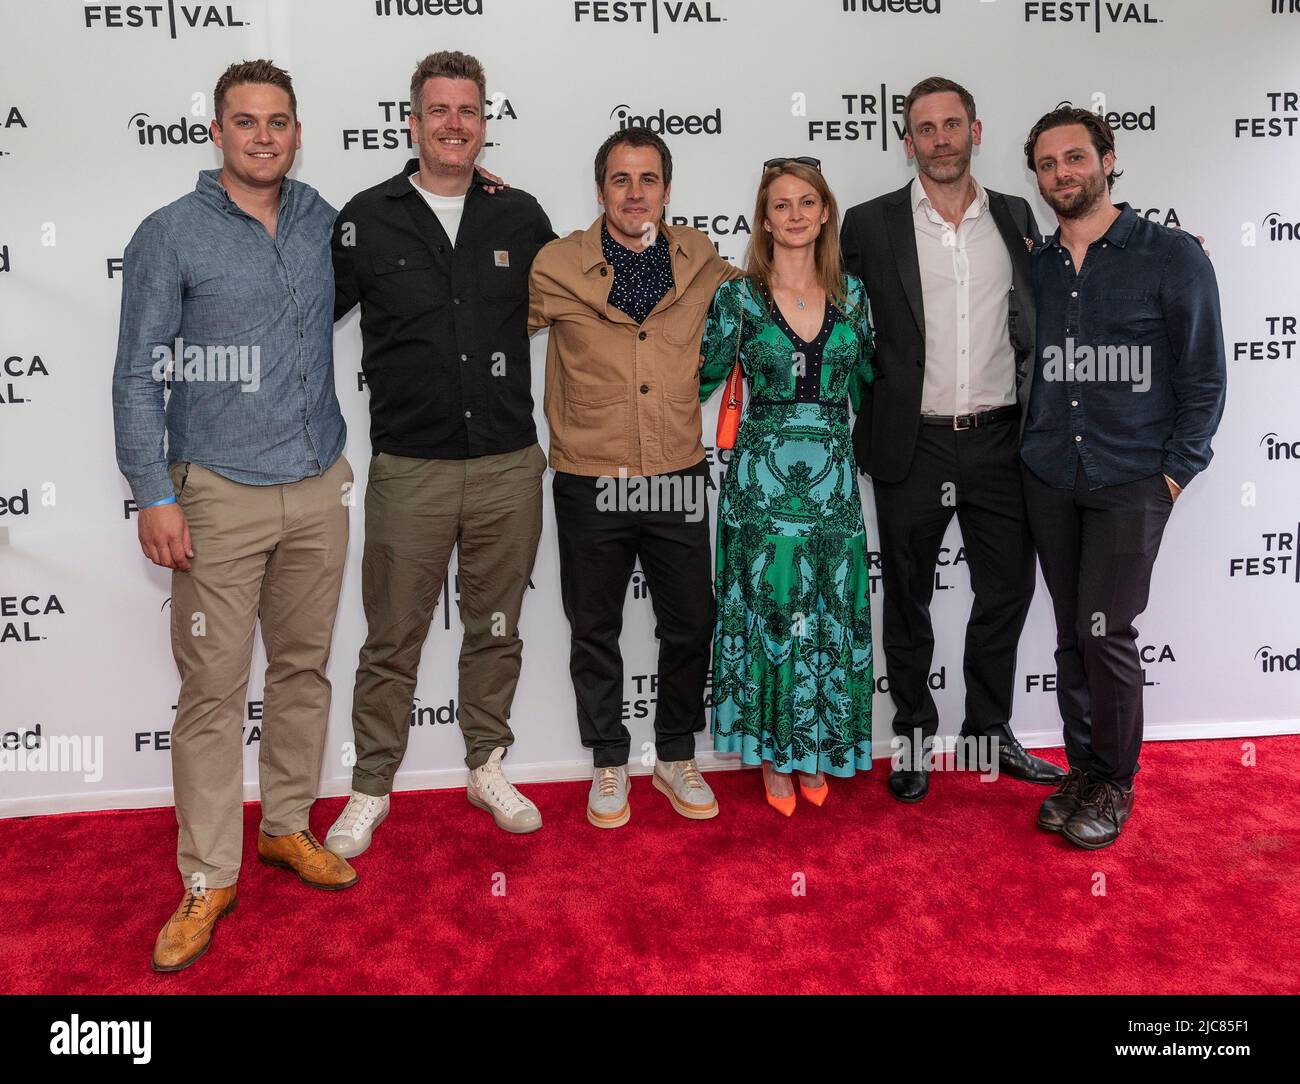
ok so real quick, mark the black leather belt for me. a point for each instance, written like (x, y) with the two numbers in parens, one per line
(972, 421)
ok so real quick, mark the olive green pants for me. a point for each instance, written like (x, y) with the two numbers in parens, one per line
(490, 508)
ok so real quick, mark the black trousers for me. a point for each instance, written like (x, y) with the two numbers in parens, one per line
(598, 548)
(1097, 549)
(974, 474)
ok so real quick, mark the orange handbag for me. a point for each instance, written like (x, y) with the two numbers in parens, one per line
(734, 401)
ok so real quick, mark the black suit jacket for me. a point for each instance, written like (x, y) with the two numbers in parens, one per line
(879, 245)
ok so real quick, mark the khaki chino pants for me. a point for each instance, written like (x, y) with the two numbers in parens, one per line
(416, 511)
(273, 553)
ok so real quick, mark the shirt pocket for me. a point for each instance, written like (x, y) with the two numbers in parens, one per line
(405, 282)
(596, 423)
(1123, 316)
(684, 322)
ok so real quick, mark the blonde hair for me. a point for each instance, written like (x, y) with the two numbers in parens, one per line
(830, 264)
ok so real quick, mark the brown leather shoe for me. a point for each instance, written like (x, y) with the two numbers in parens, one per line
(313, 864)
(188, 933)
(1064, 802)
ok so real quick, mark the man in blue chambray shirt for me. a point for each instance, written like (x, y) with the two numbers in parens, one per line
(1127, 394)
(228, 294)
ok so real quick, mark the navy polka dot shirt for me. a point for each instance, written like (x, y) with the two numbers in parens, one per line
(641, 279)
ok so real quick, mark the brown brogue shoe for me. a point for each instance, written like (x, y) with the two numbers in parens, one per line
(188, 933)
(314, 865)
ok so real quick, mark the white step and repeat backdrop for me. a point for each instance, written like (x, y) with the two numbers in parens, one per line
(103, 118)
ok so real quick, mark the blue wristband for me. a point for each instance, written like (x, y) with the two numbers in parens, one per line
(165, 500)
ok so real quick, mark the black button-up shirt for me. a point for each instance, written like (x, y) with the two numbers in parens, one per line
(641, 279)
(444, 329)
(1131, 373)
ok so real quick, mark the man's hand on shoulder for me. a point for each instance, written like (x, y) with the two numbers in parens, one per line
(493, 181)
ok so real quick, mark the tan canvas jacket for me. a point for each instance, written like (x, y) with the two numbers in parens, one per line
(619, 394)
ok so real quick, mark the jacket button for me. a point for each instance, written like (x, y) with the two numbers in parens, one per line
(455, 301)
(645, 389)
(401, 263)
(641, 335)
(604, 271)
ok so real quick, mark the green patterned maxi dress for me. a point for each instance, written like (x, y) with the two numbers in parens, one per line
(792, 668)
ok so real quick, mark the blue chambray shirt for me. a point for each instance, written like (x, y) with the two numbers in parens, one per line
(252, 312)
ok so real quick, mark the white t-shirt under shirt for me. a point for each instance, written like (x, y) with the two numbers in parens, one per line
(447, 208)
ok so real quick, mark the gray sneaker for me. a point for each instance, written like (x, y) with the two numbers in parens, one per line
(686, 788)
(489, 789)
(350, 835)
(607, 803)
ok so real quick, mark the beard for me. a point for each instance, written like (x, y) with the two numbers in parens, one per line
(944, 170)
(1078, 203)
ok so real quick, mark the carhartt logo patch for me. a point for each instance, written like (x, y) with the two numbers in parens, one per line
(501, 257)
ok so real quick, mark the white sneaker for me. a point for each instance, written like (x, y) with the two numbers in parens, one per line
(350, 835)
(489, 789)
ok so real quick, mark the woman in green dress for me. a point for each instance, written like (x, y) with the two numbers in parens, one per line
(792, 665)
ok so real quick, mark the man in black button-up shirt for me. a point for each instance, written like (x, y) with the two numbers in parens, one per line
(440, 268)
(1127, 394)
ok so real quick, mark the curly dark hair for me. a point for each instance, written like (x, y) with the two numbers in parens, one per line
(1103, 138)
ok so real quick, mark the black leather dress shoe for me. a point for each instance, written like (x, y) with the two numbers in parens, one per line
(1015, 762)
(909, 786)
(1099, 819)
(1064, 804)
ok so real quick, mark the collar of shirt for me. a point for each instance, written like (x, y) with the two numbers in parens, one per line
(626, 261)
(919, 199)
(210, 188)
(401, 184)
(1118, 234)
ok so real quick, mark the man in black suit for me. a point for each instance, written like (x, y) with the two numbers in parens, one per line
(946, 267)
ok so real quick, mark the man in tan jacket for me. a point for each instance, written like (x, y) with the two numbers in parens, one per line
(625, 301)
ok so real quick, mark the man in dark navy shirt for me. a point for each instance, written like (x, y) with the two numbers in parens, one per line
(1128, 392)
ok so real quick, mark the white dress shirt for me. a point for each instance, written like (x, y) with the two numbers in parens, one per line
(965, 287)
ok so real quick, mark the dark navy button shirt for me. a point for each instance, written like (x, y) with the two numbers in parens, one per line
(1130, 369)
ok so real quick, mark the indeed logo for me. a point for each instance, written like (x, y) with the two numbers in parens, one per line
(1279, 229)
(893, 7)
(181, 133)
(428, 7)
(16, 505)
(664, 123)
(1131, 121)
(1276, 449)
(1278, 664)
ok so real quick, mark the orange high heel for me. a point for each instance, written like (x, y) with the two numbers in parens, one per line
(818, 796)
(784, 806)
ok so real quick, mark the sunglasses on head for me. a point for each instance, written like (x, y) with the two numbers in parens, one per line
(773, 163)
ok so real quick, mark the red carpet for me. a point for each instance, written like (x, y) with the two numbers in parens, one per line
(958, 894)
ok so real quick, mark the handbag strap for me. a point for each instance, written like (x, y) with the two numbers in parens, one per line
(736, 376)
